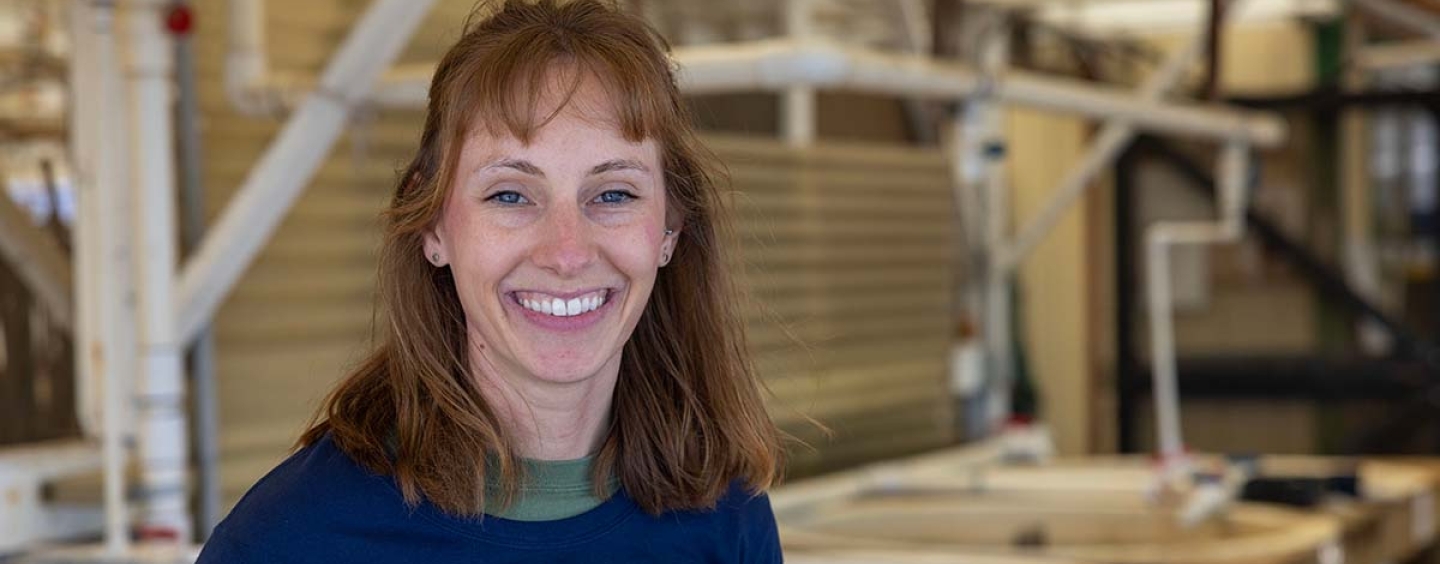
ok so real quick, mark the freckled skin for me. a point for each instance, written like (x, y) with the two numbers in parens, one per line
(538, 218)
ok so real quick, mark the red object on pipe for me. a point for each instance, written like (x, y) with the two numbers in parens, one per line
(180, 20)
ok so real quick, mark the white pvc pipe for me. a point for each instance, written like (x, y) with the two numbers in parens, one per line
(1214, 121)
(112, 347)
(1112, 138)
(291, 161)
(1159, 238)
(85, 113)
(779, 64)
(161, 429)
(798, 110)
(248, 83)
(989, 131)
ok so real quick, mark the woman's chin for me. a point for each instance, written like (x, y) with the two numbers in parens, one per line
(565, 372)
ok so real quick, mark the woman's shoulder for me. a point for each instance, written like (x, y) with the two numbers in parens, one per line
(744, 522)
(314, 490)
(320, 471)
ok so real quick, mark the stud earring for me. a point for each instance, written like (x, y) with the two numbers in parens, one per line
(435, 258)
(669, 231)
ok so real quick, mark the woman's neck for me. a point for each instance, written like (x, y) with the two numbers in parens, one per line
(549, 420)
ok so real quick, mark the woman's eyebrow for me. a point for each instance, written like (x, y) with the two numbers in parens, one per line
(618, 164)
(521, 165)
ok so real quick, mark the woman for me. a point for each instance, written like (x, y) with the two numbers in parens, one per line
(562, 374)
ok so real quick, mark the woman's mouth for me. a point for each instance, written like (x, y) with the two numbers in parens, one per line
(560, 307)
(571, 312)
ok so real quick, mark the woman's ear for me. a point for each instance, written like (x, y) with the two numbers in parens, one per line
(667, 245)
(435, 249)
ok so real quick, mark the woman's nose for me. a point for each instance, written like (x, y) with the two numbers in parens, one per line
(566, 246)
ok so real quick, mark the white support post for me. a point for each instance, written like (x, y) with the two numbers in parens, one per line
(989, 120)
(968, 175)
(85, 103)
(1159, 239)
(292, 159)
(86, 143)
(111, 345)
(161, 430)
(799, 101)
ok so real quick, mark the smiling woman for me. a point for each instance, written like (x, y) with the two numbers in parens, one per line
(562, 373)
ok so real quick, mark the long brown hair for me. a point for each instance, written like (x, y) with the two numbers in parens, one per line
(688, 417)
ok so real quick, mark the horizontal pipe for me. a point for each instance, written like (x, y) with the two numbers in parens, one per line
(777, 64)
(781, 64)
(1203, 120)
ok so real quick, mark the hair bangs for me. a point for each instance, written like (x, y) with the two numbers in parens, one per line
(533, 78)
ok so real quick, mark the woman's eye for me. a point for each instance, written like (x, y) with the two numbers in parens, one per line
(508, 198)
(614, 197)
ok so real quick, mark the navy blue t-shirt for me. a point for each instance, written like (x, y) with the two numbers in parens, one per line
(320, 506)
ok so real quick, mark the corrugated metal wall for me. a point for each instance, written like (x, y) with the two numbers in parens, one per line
(846, 250)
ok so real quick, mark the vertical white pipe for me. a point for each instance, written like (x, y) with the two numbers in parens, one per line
(160, 395)
(799, 101)
(85, 97)
(245, 60)
(1233, 167)
(1234, 170)
(988, 116)
(1162, 349)
(111, 346)
(247, 70)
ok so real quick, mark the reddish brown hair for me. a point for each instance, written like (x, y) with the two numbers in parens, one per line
(688, 417)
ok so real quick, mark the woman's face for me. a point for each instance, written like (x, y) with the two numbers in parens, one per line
(554, 245)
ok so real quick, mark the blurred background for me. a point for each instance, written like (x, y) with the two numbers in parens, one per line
(1044, 214)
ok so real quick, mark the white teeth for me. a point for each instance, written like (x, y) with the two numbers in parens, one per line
(565, 308)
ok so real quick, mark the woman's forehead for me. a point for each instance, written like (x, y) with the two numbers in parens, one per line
(567, 144)
(563, 91)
